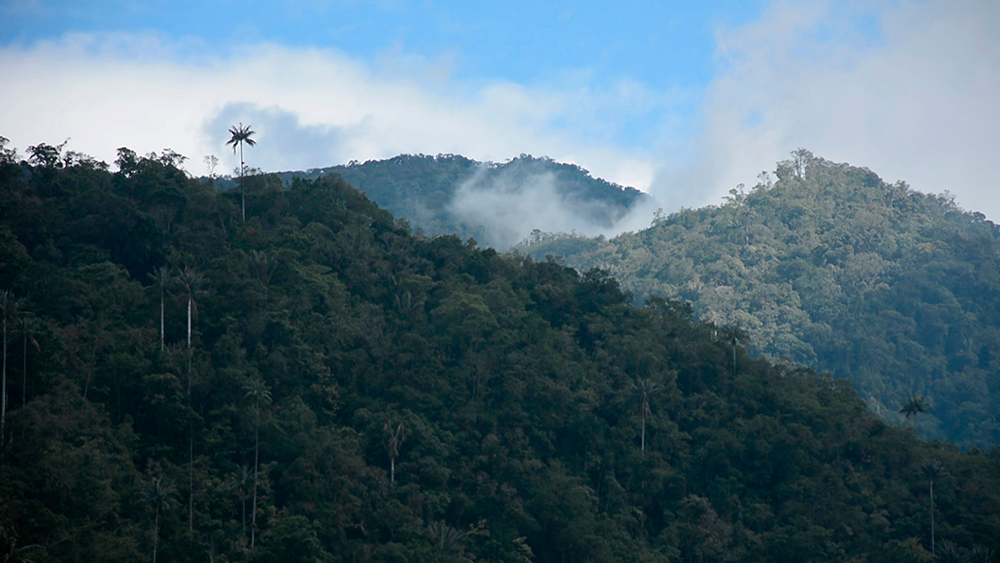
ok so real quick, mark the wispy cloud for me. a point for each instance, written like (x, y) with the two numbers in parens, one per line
(503, 206)
(311, 107)
(911, 95)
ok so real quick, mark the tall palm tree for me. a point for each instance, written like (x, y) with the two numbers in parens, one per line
(27, 327)
(913, 406)
(396, 439)
(240, 136)
(932, 469)
(158, 495)
(263, 265)
(162, 277)
(8, 309)
(191, 283)
(257, 389)
(644, 388)
(734, 336)
(240, 481)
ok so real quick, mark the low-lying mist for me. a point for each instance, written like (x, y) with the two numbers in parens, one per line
(502, 204)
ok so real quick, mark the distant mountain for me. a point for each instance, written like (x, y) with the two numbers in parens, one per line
(310, 383)
(496, 204)
(833, 268)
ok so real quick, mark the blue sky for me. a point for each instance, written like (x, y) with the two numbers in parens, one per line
(682, 99)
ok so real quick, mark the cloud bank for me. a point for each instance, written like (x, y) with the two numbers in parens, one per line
(310, 107)
(907, 89)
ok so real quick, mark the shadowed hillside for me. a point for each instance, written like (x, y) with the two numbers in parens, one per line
(317, 384)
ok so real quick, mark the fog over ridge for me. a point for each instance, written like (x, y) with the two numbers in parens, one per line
(505, 203)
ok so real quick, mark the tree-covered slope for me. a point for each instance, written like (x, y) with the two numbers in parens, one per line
(833, 268)
(496, 204)
(328, 387)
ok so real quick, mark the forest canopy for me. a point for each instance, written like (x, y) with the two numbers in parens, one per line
(826, 265)
(317, 383)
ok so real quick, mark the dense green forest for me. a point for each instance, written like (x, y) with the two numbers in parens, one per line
(831, 267)
(315, 383)
(428, 192)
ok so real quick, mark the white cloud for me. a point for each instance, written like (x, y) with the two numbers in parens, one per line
(917, 102)
(310, 107)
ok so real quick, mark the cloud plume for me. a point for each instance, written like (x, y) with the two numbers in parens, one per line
(912, 96)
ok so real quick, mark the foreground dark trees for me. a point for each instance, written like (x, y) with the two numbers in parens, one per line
(409, 398)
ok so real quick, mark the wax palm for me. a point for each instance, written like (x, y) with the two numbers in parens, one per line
(158, 495)
(190, 283)
(396, 439)
(27, 327)
(241, 135)
(644, 388)
(932, 469)
(8, 310)
(257, 390)
(163, 279)
(913, 406)
(734, 336)
(263, 265)
(241, 481)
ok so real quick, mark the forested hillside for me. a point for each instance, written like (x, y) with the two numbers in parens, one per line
(315, 383)
(496, 204)
(833, 268)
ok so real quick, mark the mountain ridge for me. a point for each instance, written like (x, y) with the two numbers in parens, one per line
(498, 204)
(831, 267)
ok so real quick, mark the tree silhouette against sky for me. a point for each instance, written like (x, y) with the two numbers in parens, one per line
(241, 135)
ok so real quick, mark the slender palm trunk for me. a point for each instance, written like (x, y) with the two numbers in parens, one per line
(156, 533)
(932, 518)
(243, 186)
(163, 345)
(191, 481)
(643, 447)
(256, 457)
(392, 470)
(24, 367)
(3, 399)
(190, 428)
(243, 500)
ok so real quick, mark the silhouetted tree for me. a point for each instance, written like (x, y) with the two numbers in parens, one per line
(913, 406)
(241, 135)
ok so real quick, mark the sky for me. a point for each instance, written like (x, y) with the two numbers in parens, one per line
(683, 100)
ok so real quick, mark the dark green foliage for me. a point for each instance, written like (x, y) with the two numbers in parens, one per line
(421, 189)
(832, 268)
(531, 412)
